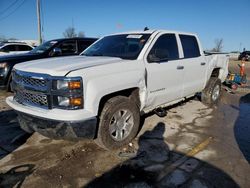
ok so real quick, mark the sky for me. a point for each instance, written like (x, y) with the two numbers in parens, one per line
(210, 19)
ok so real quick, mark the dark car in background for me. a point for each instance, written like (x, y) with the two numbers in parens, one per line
(52, 48)
(245, 54)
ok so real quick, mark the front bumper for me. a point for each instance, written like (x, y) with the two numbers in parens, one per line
(57, 129)
(55, 123)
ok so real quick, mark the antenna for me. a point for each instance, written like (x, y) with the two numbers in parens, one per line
(146, 28)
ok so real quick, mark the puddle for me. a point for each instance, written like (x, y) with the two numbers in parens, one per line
(242, 126)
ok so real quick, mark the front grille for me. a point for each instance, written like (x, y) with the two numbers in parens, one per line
(36, 89)
(30, 88)
(31, 98)
(29, 81)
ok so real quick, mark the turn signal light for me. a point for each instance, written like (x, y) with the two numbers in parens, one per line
(74, 85)
(76, 101)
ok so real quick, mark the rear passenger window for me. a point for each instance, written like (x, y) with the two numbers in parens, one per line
(190, 46)
(165, 47)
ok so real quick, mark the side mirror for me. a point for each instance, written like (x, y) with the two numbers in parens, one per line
(56, 52)
(158, 55)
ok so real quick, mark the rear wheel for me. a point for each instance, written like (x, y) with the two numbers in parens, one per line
(211, 94)
(119, 123)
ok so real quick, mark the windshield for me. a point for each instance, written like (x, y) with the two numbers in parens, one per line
(125, 46)
(43, 47)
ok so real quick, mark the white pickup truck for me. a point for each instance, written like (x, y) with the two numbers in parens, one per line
(102, 93)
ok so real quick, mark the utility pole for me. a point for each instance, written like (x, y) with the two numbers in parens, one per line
(39, 22)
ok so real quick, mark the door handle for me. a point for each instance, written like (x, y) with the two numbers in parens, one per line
(203, 63)
(180, 67)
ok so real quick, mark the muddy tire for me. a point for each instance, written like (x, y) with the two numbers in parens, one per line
(211, 94)
(118, 124)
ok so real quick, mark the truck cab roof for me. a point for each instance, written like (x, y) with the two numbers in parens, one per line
(155, 31)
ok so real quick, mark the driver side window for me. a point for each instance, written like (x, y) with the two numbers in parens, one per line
(164, 49)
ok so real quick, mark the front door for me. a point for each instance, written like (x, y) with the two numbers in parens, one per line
(164, 71)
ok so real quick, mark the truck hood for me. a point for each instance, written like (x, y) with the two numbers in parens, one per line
(60, 66)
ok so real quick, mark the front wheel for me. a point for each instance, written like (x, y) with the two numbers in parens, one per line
(119, 123)
(211, 94)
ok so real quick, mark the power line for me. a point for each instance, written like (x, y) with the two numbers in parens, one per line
(12, 4)
(12, 11)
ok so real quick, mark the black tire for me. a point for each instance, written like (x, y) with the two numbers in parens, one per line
(207, 95)
(105, 139)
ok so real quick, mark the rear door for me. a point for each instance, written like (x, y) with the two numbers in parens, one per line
(194, 65)
(164, 78)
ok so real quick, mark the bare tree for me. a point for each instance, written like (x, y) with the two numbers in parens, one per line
(218, 45)
(81, 34)
(69, 32)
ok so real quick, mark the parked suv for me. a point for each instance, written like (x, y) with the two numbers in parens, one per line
(52, 48)
(14, 48)
(245, 54)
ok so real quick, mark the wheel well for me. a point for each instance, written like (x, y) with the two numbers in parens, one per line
(133, 93)
(216, 72)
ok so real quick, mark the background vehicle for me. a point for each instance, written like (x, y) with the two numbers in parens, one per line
(102, 93)
(245, 54)
(53, 48)
(14, 48)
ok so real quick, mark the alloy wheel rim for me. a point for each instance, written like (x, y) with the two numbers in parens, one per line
(216, 93)
(121, 124)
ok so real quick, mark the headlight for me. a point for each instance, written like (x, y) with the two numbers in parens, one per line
(63, 101)
(70, 102)
(62, 84)
(68, 92)
(3, 65)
